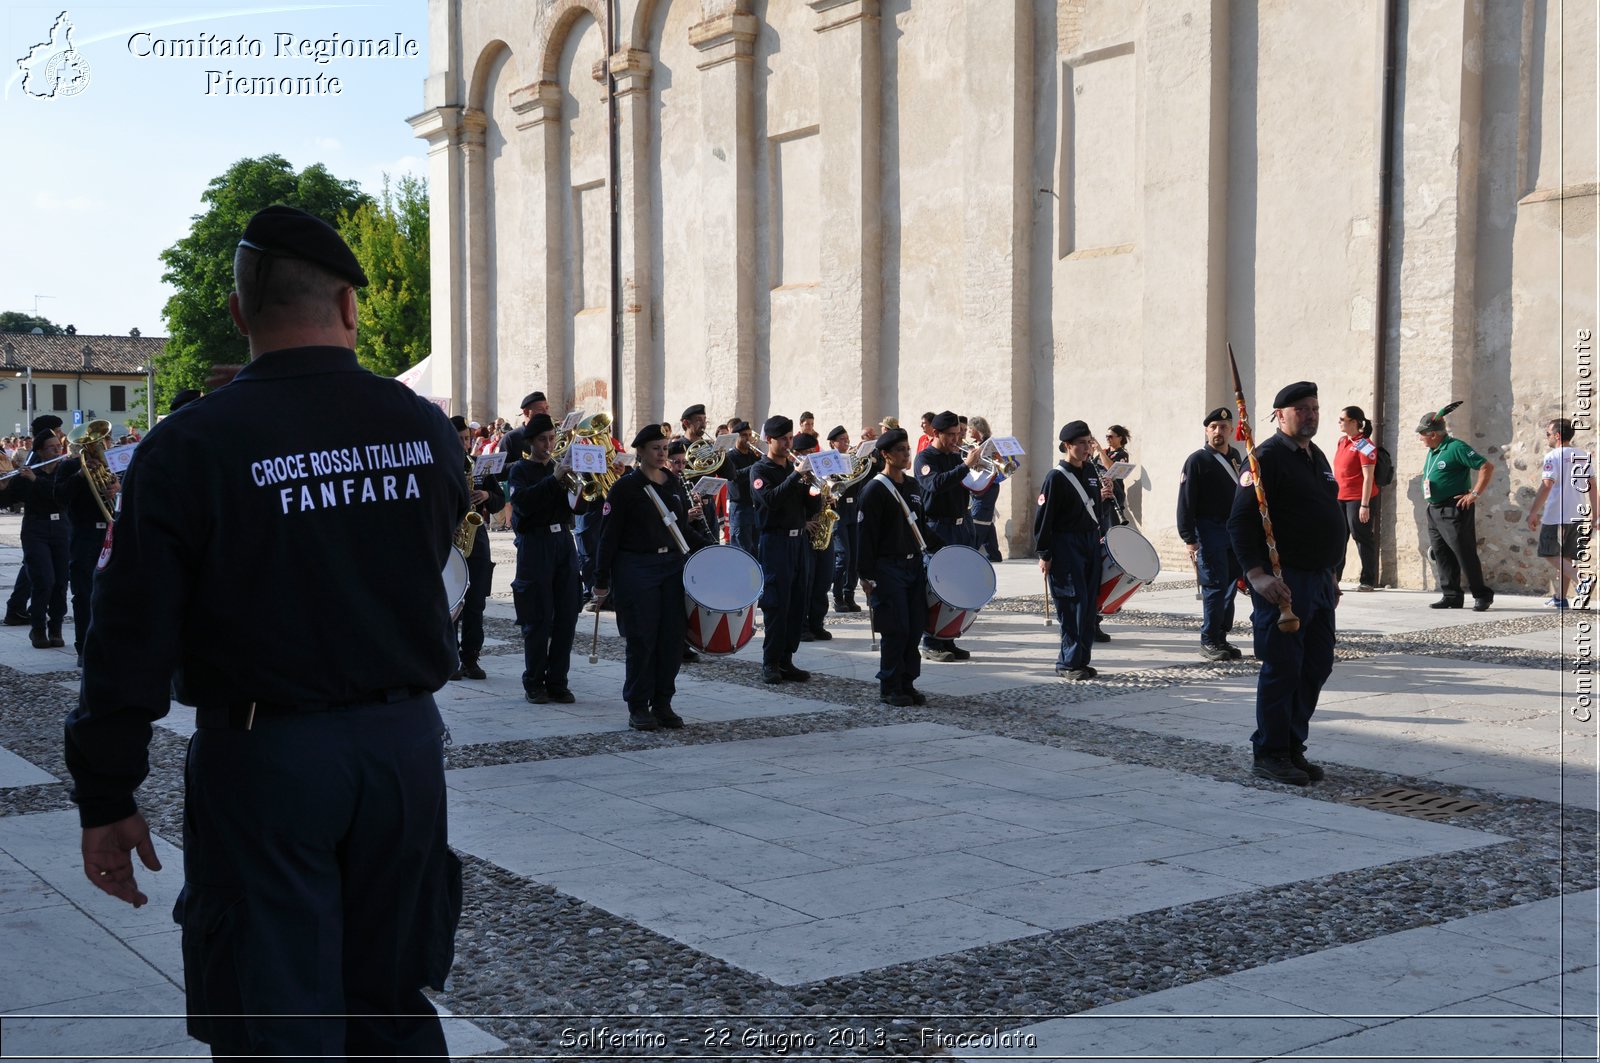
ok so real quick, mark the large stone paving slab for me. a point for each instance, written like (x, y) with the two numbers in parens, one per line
(823, 854)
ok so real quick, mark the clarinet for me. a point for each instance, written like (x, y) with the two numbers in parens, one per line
(701, 525)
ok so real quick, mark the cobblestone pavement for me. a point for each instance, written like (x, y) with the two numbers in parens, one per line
(1021, 868)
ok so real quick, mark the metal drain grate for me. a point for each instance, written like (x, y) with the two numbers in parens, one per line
(1418, 804)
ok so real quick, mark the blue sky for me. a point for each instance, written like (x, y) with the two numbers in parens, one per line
(93, 186)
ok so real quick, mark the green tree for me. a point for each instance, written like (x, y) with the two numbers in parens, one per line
(17, 321)
(200, 265)
(390, 240)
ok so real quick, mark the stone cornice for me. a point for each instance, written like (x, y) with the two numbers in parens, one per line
(536, 104)
(632, 68)
(725, 39)
(437, 124)
(834, 14)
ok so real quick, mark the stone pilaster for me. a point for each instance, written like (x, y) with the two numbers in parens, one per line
(634, 394)
(441, 128)
(538, 111)
(471, 376)
(727, 198)
(850, 80)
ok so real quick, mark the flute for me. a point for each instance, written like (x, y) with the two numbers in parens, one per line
(1288, 623)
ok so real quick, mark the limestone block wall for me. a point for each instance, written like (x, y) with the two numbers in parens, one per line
(1032, 210)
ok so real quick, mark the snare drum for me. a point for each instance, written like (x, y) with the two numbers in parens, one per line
(456, 580)
(1130, 562)
(721, 585)
(960, 582)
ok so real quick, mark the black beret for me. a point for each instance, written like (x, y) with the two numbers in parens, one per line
(677, 446)
(698, 409)
(891, 439)
(41, 438)
(291, 233)
(538, 425)
(1293, 393)
(945, 421)
(1221, 413)
(183, 398)
(777, 425)
(805, 441)
(531, 398)
(45, 422)
(835, 432)
(1074, 430)
(647, 435)
(739, 426)
(459, 423)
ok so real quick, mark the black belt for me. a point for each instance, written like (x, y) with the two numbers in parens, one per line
(240, 716)
(790, 532)
(546, 529)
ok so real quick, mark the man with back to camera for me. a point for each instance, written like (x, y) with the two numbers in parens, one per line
(280, 550)
(1205, 499)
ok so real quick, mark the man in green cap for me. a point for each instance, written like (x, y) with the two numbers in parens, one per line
(1452, 494)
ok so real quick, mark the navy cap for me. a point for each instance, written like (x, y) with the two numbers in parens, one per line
(1221, 413)
(777, 425)
(890, 439)
(945, 421)
(677, 446)
(531, 398)
(1074, 430)
(739, 426)
(805, 441)
(1293, 393)
(291, 233)
(647, 435)
(697, 410)
(538, 425)
(45, 423)
(835, 432)
(459, 423)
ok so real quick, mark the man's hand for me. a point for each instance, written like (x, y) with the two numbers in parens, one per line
(1106, 489)
(974, 456)
(867, 585)
(1194, 550)
(597, 598)
(106, 862)
(1270, 587)
(1533, 521)
(1044, 566)
(1465, 501)
(478, 498)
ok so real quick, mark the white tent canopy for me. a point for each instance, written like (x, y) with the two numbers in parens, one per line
(421, 378)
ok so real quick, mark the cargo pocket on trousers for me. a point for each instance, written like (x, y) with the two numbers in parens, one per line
(211, 918)
(443, 910)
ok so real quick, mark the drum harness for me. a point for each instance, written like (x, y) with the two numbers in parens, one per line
(669, 518)
(895, 491)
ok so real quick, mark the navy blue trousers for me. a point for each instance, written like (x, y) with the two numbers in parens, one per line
(846, 552)
(899, 608)
(1219, 575)
(1293, 667)
(547, 598)
(318, 884)
(480, 577)
(1074, 581)
(742, 527)
(83, 550)
(785, 577)
(45, 554)
(648, 591)
(819, 585)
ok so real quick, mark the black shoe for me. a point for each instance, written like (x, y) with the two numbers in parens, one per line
(771, 675)
(1234, 652)
(689, 656)
(1076, 673)
(839, 605)
(560, 695)
(16, 619)
(1280, 769)
(807, 636)
(821, 635)
(1101, 636)
(959, 654)
(56, 641)
(80, 660)
(1313, 772)
(470, 669)
(1445, 603)
(666, 717)
(457, 674)
(943, 656)
(538, 696)
(789, 671)
(899, 701)
(40, 640)
(1212, 652)
(850, 605)
(1481, 605)
(917, 697)
(641, 720)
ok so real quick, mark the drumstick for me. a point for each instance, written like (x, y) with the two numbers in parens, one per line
(872, 621)
(1288, 623)
(594, 647)
(1199, 597)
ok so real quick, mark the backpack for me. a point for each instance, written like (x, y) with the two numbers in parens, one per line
(1383, 475)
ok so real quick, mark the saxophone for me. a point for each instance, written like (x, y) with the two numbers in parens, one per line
(823, 536)
(467, 533)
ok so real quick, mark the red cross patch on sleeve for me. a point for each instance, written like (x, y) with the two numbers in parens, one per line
(1041, 498)
(926, 469)
(605, 510)
(756, 483)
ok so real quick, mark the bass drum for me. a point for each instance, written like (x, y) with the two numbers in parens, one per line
(456, 579)
(1130, 562)
(960, 582)
(721, 585)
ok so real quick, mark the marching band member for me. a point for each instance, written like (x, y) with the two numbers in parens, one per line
(545, 591)
(741, 507)
(44, 540)
(846, 533)
(694, 430)
(785, 506)
(1066, 536)
(1205, 498)
(642, 553)
(982, 504)
(820, 576)
(488, 498)
(892, 569)
(939, 471)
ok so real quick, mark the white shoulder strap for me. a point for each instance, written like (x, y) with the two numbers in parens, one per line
(895, 492)
(1226, 464)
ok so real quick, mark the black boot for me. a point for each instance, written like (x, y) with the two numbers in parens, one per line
(471, 670)
(40, 640)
